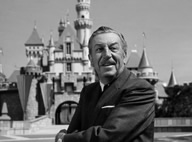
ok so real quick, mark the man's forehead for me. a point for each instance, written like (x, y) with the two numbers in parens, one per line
(106, 37)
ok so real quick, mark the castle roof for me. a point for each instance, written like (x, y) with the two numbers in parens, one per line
(161, 91)
(34, 39)
(172, 80)
(13, 77)
(144, 62)
(68, 32)
(134, 59)
(2, 76)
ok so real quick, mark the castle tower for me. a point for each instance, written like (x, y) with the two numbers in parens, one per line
(85, 58)
(51, 49)
(62, 26)
(83, 26)
(145, 70)
(34, 47)
(83, 21)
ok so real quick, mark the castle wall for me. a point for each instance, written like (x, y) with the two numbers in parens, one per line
(11, 97)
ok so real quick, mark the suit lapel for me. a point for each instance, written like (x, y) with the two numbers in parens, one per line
(111, 92)
(93, 100)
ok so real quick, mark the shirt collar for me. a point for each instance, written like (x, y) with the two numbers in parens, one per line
(102, 85)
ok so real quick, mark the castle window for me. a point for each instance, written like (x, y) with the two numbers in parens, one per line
(61, 46)
(68, 46)
(69, 67)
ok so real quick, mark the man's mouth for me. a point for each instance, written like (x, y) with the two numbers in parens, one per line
(107, 64)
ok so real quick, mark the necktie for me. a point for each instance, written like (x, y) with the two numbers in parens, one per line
(105, 87)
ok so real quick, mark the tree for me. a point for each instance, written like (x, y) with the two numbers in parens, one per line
(178, 103)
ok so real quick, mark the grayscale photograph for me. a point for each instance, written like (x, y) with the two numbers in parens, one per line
(95, 71)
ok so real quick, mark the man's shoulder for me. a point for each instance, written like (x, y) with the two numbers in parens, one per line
(91, 86)
(135, 82)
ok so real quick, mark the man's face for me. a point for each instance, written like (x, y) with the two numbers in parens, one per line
(107, 56)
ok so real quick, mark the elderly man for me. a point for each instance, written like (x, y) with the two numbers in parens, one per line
(117, 108)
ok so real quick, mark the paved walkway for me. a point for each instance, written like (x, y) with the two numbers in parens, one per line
(46, 134)
(54, 129)
(49, 133)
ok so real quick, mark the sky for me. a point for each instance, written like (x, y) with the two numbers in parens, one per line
(167, 25)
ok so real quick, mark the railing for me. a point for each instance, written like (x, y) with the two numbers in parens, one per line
(173, 124)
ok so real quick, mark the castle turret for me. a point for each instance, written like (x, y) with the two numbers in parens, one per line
(51, 49)
(83, 24)
(32, 68)
(145, 70)
(62, 26)
(34, 47)
(85, 57)
(172, 80)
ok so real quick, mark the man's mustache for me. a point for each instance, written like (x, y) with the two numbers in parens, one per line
(107, 62)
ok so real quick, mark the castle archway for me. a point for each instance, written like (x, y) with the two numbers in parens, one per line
(64, 112)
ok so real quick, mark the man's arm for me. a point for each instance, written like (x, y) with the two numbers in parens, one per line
(130, 119)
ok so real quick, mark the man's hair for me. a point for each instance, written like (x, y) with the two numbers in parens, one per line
(104, 29)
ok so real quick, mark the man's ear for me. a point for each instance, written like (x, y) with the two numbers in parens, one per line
(91, 59)
(125, 58)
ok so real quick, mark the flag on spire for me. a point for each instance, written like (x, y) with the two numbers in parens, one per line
(144, 38)
(67, 17)
(1, 50)
(144, 35)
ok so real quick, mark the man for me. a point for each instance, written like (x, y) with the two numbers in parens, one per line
(124, 112)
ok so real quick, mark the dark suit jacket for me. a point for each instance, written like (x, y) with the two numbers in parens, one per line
(124, 112)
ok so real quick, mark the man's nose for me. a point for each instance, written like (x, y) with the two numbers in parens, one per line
(107, 52)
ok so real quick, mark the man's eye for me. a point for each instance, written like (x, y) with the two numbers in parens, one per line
(113, 48)
(99, 49)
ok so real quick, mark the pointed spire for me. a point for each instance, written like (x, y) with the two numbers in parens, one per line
(51, 41)
(172, 80)
(67, 17)
(144, 38)
(35, 25)
(144, 62)
(1, 50)
(4, 112)
(34, 38)
(4, 108)
(61, 22)
(145, 70)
